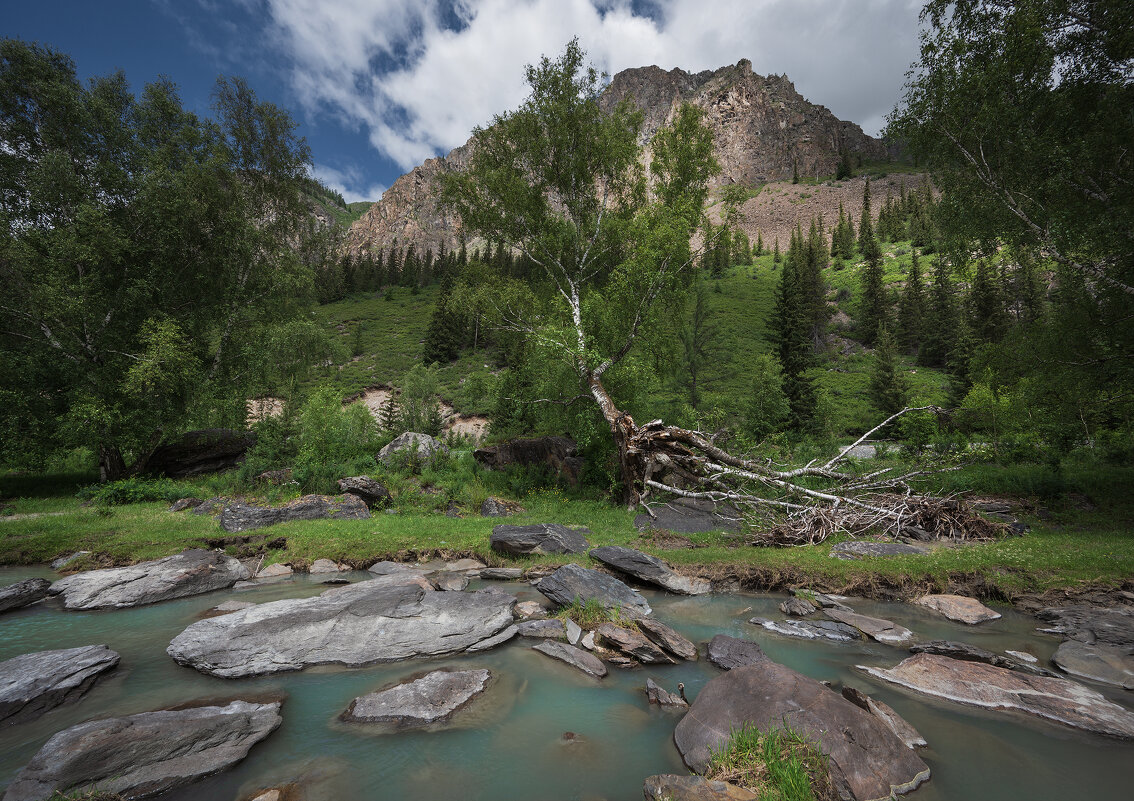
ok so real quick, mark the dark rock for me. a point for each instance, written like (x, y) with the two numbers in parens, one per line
(883, 631)
(671, 787)
(243, 517)
(275, 478)
(147, 754)
(335, 582)
(23, 593)
(184, 574)
(380, 620)
(198, 452)
(1090, 624)
(501, 573)
(971, 653)
(423, 445)
(797, 606)
(370, 491)
(572, 582)
(977, 684)
(856, 549)
(181, 504)
(632, 643)
(212, 506)
(729, 653)
(559, 455)
(588, 663)
(894, 722)
(412, 704)
(1102, 663)
(539, 538)
(498, 507)
(657, 695)
(649, 569)
(866, 760)
(810, 629)
(690, 516)
(543, 629)
(667, 638)
(31, 684)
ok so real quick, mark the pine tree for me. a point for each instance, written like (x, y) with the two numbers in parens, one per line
(843, 171)
(873, 306)
(393, 265)
(988, 319)
(390, 416)
(940, 331)
(867, 244)
(791, 322)
(443, 338)
(759, 245)
(889, 388)
(767, 410)
(776, 252)
(815, 261)
(911, 311)
(410, 268)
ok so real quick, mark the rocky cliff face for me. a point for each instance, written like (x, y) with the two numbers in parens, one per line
(762, 127)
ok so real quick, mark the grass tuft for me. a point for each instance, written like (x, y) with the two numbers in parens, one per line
(778, 765)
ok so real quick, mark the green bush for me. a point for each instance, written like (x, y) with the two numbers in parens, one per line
(778, 765)
(133, 490)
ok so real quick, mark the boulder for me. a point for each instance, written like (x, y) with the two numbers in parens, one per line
(632, 643)
(856, 549)
(977, 684)
(323, 566)
(450, 582)
(386, 568)
(211, 506)
(810, 629)
(494, 640)
(33, 683)
(971, 653)
(143, 755)
(540, 538)
(181, 504)
(883, 631)
(822, 600)
(188, 573)
(866, 760)
(195, 453)
(671, 787)
(1090, 624)
(894, 722)
(690, 516)
(1102, 663)
(588, 663)
(367, 489)
(381, 620)
(498, 507)
(543, 629)
(530, 609)
(420, 702)
(798, 607)
(656, 695)
(649, 569)
(23, 593)
(959, 608)
(572, 582)
(588, 641)
(729, 653)
(501, 573)
(239, 516)
(560, 455)
(423, 445)
(667, 638)
(274, 571)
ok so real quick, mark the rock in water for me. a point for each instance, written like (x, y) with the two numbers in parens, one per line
(552, 629)
(572, 582)
(31, 684)
(244, 517)
(539, 538)
(971, 653)
(810, 629)
(632, 643)
(729, 653)
(894, 722)
(323, 566)
(23, 593)
(370, 491)
(649, 569)
(501, 573)
(959, 608)
(884, 631)
(189, 573)
(670, 787)
(1089, 624)
(381, 620)
(588, 663)
(412, 704)
(978, 684)
(657, 695)
(866, 760)
(1102, 663)
(797, 606)
(143, 755)
(667, 638)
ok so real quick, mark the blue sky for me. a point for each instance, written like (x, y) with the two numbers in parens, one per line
(379, 85)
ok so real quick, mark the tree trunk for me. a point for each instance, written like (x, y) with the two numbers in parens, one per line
(623, 429)
(111, 466)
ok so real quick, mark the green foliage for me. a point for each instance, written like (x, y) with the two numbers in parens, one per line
(419, 410)
(768, 410)
(911, 309)
(889, 389)
(700, 347)
(777, 765)
(132, 490)
(332, 441)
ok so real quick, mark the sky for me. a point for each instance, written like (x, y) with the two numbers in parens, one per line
(378, 86)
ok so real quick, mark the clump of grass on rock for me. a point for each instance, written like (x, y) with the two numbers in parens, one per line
(778, 765)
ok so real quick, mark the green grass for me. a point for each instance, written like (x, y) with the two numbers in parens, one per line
(778, 765)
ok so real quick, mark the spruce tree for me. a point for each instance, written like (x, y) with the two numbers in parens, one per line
(987, 317)
(393, 265)
(759, 244)
(941, 320)
(795, 172)
(791, 322)
(443, 338)
(844, 170)
(767, 410)
(911, 311)
(867, 244)
(873, 306)
(776, 252)
(889, 388)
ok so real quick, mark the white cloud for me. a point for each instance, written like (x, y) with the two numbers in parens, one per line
(417, 88)
(349, 183)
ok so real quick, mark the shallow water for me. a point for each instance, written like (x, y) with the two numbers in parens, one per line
(510, 744)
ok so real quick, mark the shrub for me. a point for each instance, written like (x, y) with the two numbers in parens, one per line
(133, 490)
(779, 765)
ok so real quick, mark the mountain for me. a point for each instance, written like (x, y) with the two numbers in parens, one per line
(763, 129)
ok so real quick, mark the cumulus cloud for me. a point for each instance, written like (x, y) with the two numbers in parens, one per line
(417, 75)
(350, 183)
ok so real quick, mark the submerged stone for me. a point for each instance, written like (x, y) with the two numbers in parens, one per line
(810, 629)
(1102, 663)
(420, 702)
(728, 653)
(23, 593)
(588, 663)
(31, 684)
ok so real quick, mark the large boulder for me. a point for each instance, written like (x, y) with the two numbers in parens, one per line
(539, 538)
(560, 455)
(373, 494)
(572, 582)
(1109, 626)
(576, 658)
(194, 453)
(866, 760)
(380, 620)
(31, 684)
(649, 569)
(690, 516)
(729, 653)
(978, 684)
(631, 643)
(144, 755)
(239, 516)
(421, 445)
(190, 573)
(1102, 663)
(883, 631)
(23, 593)
(968, 652)
(422, 701)
(958, 607)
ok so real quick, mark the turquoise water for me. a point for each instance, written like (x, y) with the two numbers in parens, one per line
(510, 743)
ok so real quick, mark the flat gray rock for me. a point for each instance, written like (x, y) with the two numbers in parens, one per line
(822, 600)
(539, 538)
(380, 620)
(1102, 663)
(649, 569)
(23, 593)
(572, 582)
(866, 760)
(323, 566)
(966, 652)
(494, 640)
(450, 582)
(667, 638)
(501, 573)
(958, 607)
(856, 549)
(810, 629)
(394, 569)
(33, 683)
(239, 516)
(420, 702)
(588, 663)
(883, 631)
(977, 684)
(1108, 626)
(550, 629)
(184, 574)
(690, 516)
(632, 643)
(797, 606)
(729, 653)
